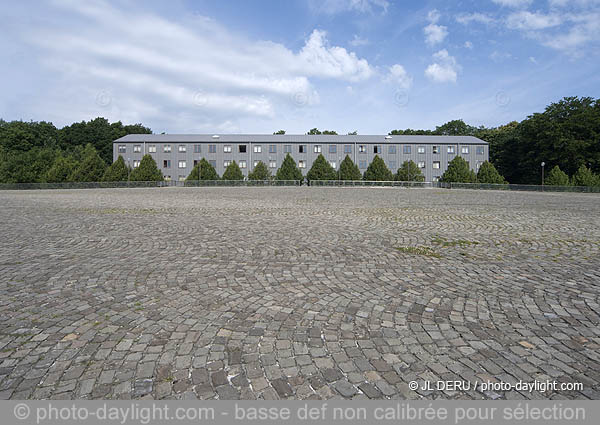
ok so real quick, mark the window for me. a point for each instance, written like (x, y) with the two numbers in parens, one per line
(332, 149)
(478, 165)
(464, 149)
(302, 149)
(451, 149)
(242, 148)
(362, 149)
(302, 164)
(213, 163)
(167, 148)
(167, 178)
(406, 149)
(181, 178)
(152, 148)
(421, 149)
(182, 164)
(197, 148)
(318, 149)
(212, 148)
(136, 163)
(227, 148)
(272, 164)
(421, 164)
(242, 164)
(436, 178)
(167, 163)
(196, 161)
(257, 149)
(137, 148)
(436, 165)
(362, 164)
(226, 163)
(392, 149)
(347, 148)
(287, 148)
(122, 148)
(332, 163)
(182, 148)
(436, 149)
(480, 150)
(272, 148)
(392, 165)
(377, 149)
(256, 163)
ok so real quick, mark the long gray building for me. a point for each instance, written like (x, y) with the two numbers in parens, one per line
(176, 154)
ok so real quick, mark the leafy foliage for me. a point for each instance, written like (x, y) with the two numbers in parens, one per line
(459, 171)
(203, 170)
(260, 172)
(321, 170)
(378, 171)
(288, 170)
(585, 177)
(233, 172)
(117, 171)
(91, 168)
(280, 132)
(409, 172)
(488, 174)
(61, 169)
(349, 170)
(315, 130)
(147, 171)
(557, 177)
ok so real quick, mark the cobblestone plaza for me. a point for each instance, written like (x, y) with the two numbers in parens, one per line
(297, 292)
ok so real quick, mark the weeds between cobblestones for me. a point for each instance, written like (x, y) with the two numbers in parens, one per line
(296, 292)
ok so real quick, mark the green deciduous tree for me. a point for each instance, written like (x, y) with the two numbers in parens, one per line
(459, 171)
(378, 171)
(61, 169)
(117, 171)
(585, 177)
(203, 170)
(321, 170)
(233, 172)
(557, 177)
(147, 171)
(260, 172)
(409, 172)
(288, 170)
(91, 167)
(488, 174)
(280, 132)
(349, 170)
(455, 128)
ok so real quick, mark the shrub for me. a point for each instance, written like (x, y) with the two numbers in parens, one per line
(260, 172)
(203, 170)
(61, 169)
(378, 171)
(233, 172)
(321, 170)
(147, 171)
(409, 172)
(288, 170)
(90, 169)
(488, 174)
(117, 172)
(585, 177)
(459, 172)
(349, 170)
(557, 177)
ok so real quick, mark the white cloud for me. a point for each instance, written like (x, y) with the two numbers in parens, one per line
(468, 44)
(398, 75)
(361, 6)
(533, 60)
(434, 33)
(433, 16)
(513, 3)
(358, 41)
(497, 56)
(445, 69)
(467, 18)
(528, 21)
(197, 68)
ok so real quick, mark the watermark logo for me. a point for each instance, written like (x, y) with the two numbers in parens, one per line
(502, 98)
(103, 98)
(401, 98)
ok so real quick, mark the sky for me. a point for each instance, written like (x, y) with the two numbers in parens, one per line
(260, 66)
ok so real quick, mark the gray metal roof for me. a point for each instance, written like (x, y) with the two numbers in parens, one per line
(296, 138)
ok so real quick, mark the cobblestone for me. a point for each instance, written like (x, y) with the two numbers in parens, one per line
(309, 293)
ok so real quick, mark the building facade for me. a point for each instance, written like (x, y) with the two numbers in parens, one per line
(176, 155)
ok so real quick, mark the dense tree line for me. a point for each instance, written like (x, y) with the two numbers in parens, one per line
(565, 136)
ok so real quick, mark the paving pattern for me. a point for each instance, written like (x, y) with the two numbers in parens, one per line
(299, 293)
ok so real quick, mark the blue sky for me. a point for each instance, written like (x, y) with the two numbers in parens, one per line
(260, 66)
